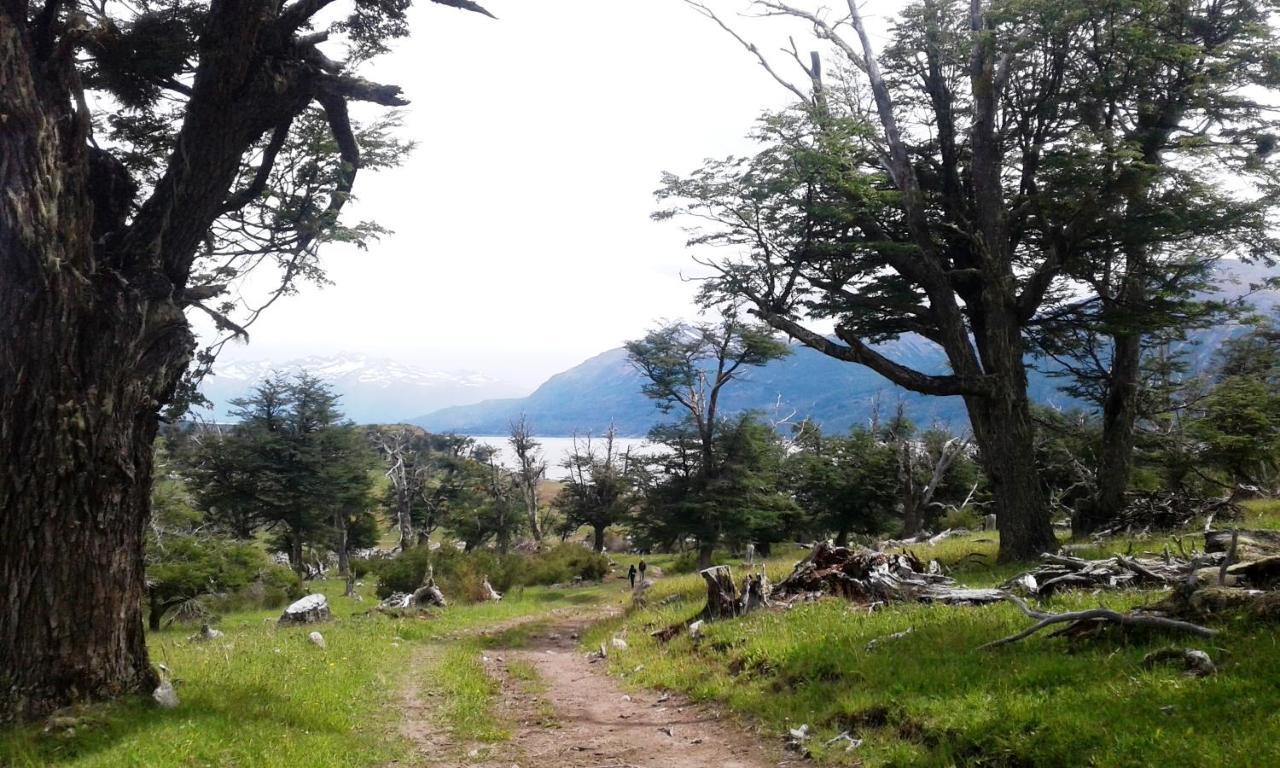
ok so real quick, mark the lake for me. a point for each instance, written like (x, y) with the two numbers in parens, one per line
(555, 450)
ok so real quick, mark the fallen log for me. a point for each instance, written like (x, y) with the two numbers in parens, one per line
(1064, 571)
(867, 576)
(1091, 618)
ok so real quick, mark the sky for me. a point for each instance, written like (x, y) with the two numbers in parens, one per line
(522, 240)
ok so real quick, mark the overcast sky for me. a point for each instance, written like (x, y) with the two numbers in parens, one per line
(522, 240)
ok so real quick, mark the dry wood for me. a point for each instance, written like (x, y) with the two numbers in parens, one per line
(867, 576)
(722, 596)
(1077, 620)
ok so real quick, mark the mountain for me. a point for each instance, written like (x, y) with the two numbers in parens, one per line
(804, 384)
(373, 389)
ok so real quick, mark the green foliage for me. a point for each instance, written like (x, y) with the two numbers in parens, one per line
(290, 462)
(182, 569)
(460, 574)
(1239, 430)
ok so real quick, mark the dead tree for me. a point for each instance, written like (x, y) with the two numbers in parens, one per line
(533, 467)
(722, 596)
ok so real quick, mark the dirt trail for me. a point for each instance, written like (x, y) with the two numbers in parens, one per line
(575, 716)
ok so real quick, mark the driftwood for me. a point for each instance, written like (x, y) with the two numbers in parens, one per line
(1196, 662)
(868, 577)
(428, 594)
(1093, 618)
(1167, 512)
(1064, 571)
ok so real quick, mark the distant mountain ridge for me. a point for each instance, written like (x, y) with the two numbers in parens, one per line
(605, 388)
(373, 389)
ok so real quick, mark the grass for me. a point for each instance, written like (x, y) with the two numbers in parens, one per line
(932, 699)
(456, 677)
(266, 697)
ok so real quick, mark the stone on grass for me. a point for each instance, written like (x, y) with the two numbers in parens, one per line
(309, 610)
(165, 695)
(316, 639)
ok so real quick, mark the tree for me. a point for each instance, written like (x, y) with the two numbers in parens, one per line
(1174, 110)
(928, 198)
(292, 461)
(845, 484)
(402, 450)
(152, 154)
(687, 366)
(598, 491)
(530, 472)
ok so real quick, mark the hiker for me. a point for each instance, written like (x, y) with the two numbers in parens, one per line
(631, 574)
(642, 567)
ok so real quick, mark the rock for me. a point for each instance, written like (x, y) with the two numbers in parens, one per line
(205, 634)
(317, 639)
(165, 695)
(619, 643)
(695, 629)
(309, 610)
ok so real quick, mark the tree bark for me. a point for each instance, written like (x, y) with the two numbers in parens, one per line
(1004, 433)
(1119, 419)
(598, 538)
(705, 551)
(88, 357)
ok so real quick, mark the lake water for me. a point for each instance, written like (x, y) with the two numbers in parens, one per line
(555, 450)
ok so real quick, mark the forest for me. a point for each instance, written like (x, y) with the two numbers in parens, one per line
(1029, 186)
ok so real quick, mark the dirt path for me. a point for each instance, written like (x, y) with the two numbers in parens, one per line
(573, 715)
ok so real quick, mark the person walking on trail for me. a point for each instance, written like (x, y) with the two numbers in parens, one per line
(642, 567)
(631, 574)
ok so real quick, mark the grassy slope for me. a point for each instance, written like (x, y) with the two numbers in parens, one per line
(268, 698)
(933, 699)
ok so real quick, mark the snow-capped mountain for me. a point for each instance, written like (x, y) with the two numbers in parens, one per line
(373, 389)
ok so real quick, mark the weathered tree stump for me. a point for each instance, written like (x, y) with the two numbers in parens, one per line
(722, 597)
(489, 592)
(429, 594)
(755, 593)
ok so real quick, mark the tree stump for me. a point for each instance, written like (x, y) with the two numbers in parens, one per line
(722, 597)
(755, 593)
(429, 594)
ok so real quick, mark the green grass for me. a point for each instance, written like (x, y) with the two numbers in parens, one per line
(456, 678)
(266, 697)
(932, 699)
(1261, 513)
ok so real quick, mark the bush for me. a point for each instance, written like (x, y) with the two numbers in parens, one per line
(961, 517)
(687, 562)
(461, 574)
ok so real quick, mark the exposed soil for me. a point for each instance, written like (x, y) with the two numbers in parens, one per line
(573, 715)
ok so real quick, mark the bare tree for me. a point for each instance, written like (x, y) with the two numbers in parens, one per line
(533, 467)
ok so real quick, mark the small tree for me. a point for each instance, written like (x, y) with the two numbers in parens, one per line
(687, 367)
(291, 462)
(532, 467)
(598, 491)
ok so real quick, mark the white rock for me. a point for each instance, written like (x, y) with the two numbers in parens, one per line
(308, 610)
(165, 695)
(695, 629)
(317, 639)
(618, 643)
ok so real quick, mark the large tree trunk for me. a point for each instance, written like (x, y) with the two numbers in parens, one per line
(1004, 434)
(1119, 419)
(87, 357)
(598, 542)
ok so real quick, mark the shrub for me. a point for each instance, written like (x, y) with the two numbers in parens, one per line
(461, 574)
(961, 517)
(687, 562)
